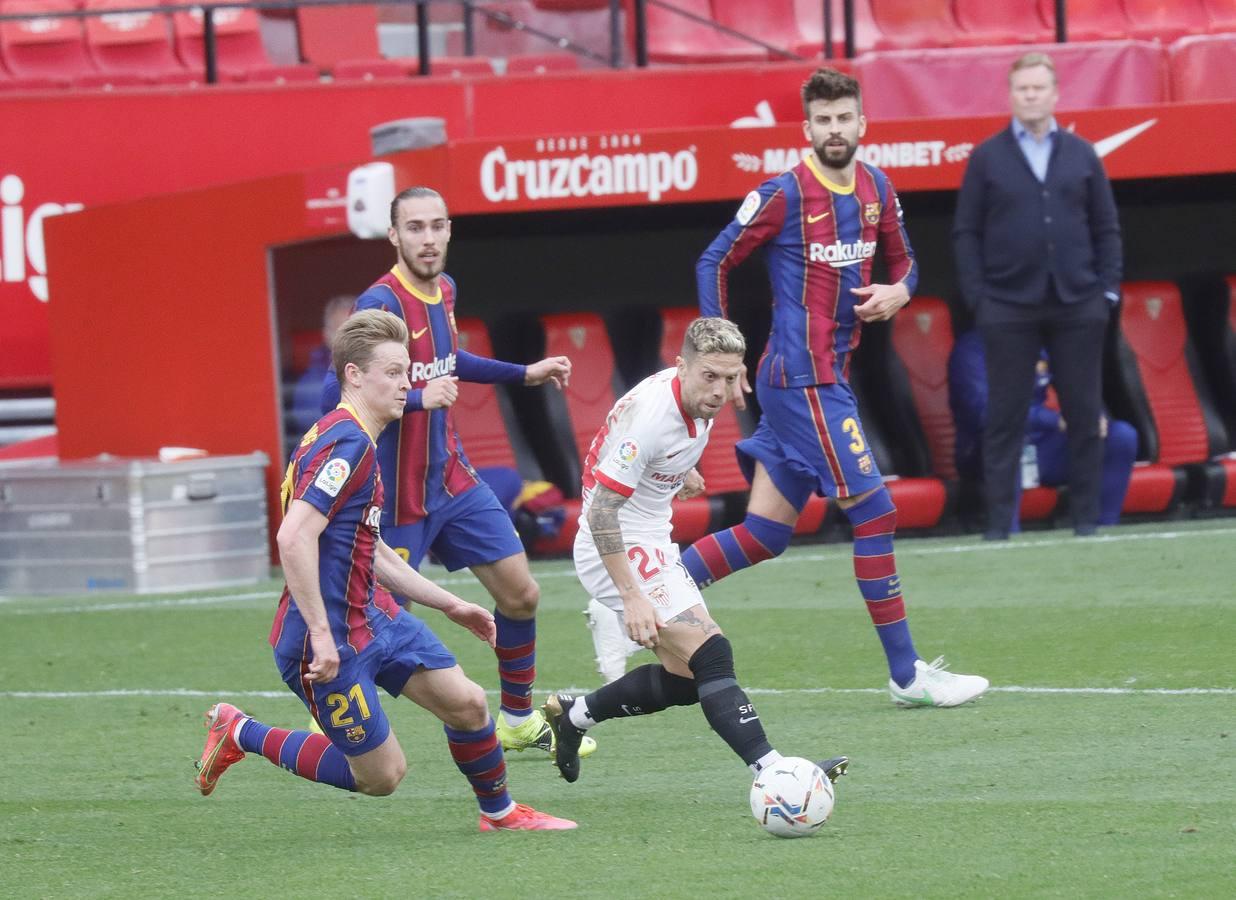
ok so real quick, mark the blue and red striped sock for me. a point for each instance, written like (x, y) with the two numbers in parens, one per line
(516, 651)
(478, 754)
(723, 553)
(309, 755)
(875, 521)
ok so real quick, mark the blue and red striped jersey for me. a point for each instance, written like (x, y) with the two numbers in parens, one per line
(335, 469)
(421, 453)
(820, 241)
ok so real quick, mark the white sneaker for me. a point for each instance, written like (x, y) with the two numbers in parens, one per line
(933, 685)
(611, 642)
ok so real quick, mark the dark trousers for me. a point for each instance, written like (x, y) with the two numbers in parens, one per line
(1013, 335)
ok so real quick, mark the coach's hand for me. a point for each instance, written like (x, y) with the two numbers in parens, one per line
(476, 619)
(554, 368)
(640, 619)
(440, 392)
(883, 301)
(325, 664)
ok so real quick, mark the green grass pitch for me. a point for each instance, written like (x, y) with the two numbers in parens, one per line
(1102, 763)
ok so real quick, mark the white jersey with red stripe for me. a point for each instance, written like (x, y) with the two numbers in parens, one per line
(644, 451)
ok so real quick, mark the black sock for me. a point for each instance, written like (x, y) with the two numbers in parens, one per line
(726, 706)
(641, 691)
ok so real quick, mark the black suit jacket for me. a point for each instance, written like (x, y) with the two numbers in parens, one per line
(1011, 231)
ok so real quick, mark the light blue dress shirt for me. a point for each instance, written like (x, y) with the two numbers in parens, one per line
(1036, 150)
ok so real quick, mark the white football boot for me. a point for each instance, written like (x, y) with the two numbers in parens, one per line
(934, 685)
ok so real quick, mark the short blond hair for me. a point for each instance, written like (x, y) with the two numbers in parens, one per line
(712, 335)
(1029, 61)
(358, 338)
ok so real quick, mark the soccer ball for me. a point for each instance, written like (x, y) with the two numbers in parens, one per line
(792, 798)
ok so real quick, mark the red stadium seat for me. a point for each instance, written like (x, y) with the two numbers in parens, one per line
(575, 415)
(973, 81)
(330, 34)
(673, 38)
(373, 69)
(460, 66)
(1222, 15)
(901, 379)
(907, 24)
(136, 44)
(570, 5)
(540, 63)
(1203, 67)
(1164, 396)
(985, 22)
(240, 53)
(798, 25)
(1165, 20)
(44, 48)
(923, 338)
(1088, 20)
(479, 415)
(1038, 503)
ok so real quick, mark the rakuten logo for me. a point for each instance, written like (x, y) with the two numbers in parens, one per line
(425, 371)
(839, 255)
(22, 238)
(651, 175)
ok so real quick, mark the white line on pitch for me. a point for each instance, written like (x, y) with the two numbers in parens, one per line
(1010, 689)
(904, 548)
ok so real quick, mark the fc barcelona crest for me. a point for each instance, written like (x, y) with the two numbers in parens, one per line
(356, 734)
(871, 212)
(864, 464)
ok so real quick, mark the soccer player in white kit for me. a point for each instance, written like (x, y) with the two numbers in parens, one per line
(643, 456)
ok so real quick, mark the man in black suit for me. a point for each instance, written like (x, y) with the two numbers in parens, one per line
(1039, 261)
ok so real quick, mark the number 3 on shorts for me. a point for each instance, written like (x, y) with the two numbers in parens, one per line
(339, 706)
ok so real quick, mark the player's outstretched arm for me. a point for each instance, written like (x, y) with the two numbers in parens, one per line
(555, 369)
(396, 575)
(640, 619)
(298, 550)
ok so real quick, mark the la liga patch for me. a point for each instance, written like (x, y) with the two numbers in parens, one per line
(333, 476)
(750, 206)
(626, 453)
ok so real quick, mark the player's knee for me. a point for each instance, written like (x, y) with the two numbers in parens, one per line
(470, 710)
(713, 661)
(383, 783)
(519, 601)
(761, 538)
(874, 508)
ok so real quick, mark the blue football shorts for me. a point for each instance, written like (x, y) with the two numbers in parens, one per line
(348, 708)
(811, 441)
(472, 529)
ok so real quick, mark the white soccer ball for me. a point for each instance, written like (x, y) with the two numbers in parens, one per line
(792, 798)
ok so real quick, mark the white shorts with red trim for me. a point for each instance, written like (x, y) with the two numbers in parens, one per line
(658, 570)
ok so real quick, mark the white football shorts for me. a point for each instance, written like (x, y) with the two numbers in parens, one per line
(658, 569)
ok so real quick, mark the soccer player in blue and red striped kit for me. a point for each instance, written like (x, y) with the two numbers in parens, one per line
(437, 501)
(338, 634)
(821, 224)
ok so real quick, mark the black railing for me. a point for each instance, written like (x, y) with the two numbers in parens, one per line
(470, 9)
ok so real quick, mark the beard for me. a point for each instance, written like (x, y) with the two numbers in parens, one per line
(835, 157)
(423, 269)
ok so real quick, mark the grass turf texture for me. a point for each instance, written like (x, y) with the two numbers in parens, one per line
(1023, 794)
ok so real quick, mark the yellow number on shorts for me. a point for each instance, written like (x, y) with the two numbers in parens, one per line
(339, 706)
(850, 427)
(405, 554)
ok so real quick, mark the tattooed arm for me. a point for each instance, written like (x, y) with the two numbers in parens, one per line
(641, 621)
